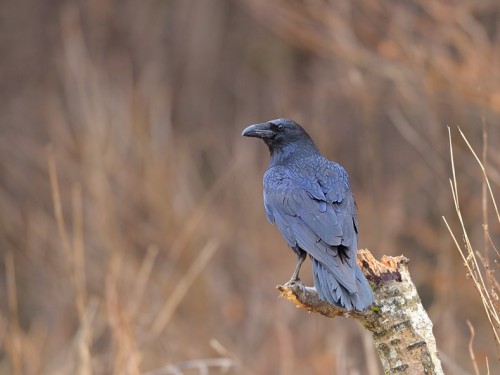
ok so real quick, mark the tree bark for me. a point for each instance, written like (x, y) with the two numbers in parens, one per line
(400, 327)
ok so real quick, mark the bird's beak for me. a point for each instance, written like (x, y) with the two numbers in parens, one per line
(258, 131)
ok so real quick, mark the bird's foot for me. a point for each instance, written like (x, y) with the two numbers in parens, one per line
(293, 281)
(296, 283)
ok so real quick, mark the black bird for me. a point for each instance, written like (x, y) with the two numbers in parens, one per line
(309, 199)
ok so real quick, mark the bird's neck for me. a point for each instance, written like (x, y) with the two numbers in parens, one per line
(291, 151)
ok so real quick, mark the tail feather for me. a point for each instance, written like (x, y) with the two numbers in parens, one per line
(331, 290)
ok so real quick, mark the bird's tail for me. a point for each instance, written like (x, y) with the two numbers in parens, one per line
(331, 290)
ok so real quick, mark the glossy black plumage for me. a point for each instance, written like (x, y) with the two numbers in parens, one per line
(309, 199)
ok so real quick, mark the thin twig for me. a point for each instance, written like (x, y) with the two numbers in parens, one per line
(79, 275)
(471, 348)
(485, 192)
(56, 200)
(469, 256)
(484, 173)
(182, 287)
(454, 184)
(14, 349)
(142, 279)
(476, 282)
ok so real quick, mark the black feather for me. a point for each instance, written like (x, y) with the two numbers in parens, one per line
(309, 199)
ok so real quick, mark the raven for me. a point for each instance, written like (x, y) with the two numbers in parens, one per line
(309, 199)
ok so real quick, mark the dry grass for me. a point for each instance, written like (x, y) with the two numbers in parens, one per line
(480, 268)
(137, 239)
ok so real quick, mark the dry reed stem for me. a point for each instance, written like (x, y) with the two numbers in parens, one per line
(413, 137)
(142, 279)
(4, 327)
(484, 192)
(469, 257)
(13, 345)
(182, 287)
(79, 251)
(193, 222)
(471, 346)
(56, 201)
(85, 313)
(75, 257)
(83, 338)
(126, 357)
(485, 175)
(476, 276)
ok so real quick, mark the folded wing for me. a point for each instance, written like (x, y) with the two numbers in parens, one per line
(319, 217)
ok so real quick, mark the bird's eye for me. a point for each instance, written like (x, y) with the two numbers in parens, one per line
(281, 128)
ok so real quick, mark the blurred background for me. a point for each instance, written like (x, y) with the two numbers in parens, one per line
(132, 231)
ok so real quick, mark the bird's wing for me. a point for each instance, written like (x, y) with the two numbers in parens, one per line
(306, 217)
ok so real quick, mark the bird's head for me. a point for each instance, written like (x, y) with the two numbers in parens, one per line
(281, 135)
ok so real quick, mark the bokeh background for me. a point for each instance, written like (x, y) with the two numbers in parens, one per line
(132, 232)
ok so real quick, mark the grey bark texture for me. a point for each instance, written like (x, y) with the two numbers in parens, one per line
(400, 327)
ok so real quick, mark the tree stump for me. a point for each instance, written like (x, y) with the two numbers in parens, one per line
(400, 327)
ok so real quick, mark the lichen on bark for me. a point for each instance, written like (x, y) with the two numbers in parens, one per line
(400, 327)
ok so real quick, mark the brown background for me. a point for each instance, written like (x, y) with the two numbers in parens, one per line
(141, 105)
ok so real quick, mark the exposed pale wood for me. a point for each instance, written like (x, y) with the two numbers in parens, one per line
(400, 327)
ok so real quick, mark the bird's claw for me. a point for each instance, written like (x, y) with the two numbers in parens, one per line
(293, 281)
